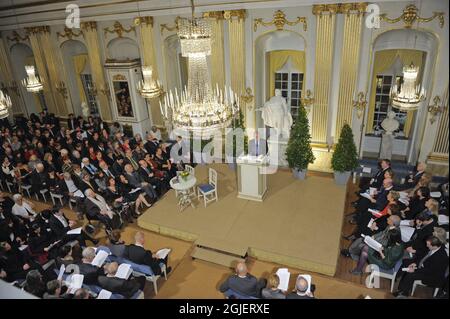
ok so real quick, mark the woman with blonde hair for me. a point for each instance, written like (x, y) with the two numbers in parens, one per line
(272, 291)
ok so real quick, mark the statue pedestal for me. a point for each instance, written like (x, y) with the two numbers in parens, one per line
(387, 143)
(277, 151)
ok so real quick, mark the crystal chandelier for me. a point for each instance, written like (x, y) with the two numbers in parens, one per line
(199, 107)
(149, 88)
(32, 83)
(410, 95)
(5, 105)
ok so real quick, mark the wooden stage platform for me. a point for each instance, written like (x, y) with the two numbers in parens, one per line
(298, 224)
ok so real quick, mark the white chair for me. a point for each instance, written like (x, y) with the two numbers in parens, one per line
(57, 196)
(191, 171)
(420, 283)
(9, 185)
(72, 201)
(384, 273)
(209, 191)
(154, 278)
(27, 189)
(43, 192)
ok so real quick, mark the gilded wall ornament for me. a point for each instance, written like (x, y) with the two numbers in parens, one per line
(17, 37)
(119, 29)
(411, 14)
(279, 21)
(435, 109)
(69, 33)
(360, 104)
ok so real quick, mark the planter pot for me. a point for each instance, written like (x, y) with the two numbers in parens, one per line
(299, 174)
(341, 178)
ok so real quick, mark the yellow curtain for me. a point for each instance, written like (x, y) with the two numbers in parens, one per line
(217, 54)
(79, 63)
(7, 76)
(276, 61)
(237, 54)
(416, 57)
(92, 43)
(383, 60)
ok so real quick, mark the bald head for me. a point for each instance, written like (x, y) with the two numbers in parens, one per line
(40, 167)
(241, 269)
(139, 238)
(301, 285)
(111, 268)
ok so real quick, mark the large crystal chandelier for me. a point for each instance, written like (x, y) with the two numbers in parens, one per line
(199, 107)
(410, 95)
(32, 83)
(149, 88)
(5, 105)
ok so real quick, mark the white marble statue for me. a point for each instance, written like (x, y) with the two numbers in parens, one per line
(389, 125)
(85, 110)
(276, 114)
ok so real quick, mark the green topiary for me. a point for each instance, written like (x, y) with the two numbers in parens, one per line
(298, 152)
(345, 157)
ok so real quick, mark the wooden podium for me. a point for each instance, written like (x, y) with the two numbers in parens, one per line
(251, 179)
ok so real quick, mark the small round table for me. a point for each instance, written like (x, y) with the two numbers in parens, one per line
(183, 186)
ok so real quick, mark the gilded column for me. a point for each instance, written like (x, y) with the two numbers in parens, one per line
(8, 78)
(236, 19)
(34, 34)
(55, 71)
(149, 59)
(441, 141)
(92, 43)
(217, 53)
(354, 13)
(325, 21)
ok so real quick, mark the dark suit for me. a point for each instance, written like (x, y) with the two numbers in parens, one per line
(39, 181)
(142, 256)
(90, 272)
(418, 239)
(72, 124)
(60, 231)
(248, 286)
(377, 180)
(136, 181)
(144, 173)
(257, 147)
(151, 146)
(432, 273)
(126, 288)
(294, 295)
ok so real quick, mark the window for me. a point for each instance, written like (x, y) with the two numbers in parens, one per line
(91, 100)
(291, 85)
(382, 101)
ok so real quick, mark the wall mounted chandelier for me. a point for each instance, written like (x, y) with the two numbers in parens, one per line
(5, 105)
(32, 83)
(410, 94)
(198, 107)
(149, 88)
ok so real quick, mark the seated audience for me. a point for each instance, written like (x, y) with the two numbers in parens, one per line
(242, 283)
(272, 291)
(301, 290)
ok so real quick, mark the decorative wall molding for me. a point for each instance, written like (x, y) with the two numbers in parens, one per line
(165, 26)
(17, 37)
(279, 21)
(69, 33)
(38, 29)
(119, 29)
(360, 104)
(339, 8)
(411, 14)
(218, 15)
(143, 20)
(240, 14)
(89, 25)
(435, 109)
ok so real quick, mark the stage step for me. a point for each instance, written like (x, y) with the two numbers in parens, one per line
(216, 257)
(219, 251)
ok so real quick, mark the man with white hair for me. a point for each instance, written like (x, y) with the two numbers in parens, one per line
(90, 272)
(242, 284)
(97, 208)
(413, 178)
(23, 208)
(87, 166)
(302, 289)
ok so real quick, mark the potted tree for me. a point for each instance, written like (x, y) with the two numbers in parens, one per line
(298, 152)
(345, 157)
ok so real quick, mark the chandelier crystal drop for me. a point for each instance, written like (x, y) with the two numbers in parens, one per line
(410, 94)
(32, 83)
(5, 105)
(199, 107)
(149, 88)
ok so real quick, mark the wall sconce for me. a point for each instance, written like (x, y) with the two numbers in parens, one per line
(248, 98)
(62, 89)
(307, 101)
(105, 91)
(360, 104)
(435, 109)
(14, 87)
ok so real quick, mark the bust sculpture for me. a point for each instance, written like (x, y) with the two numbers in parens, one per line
(389, 125)
(85, 110)
(276, 114)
